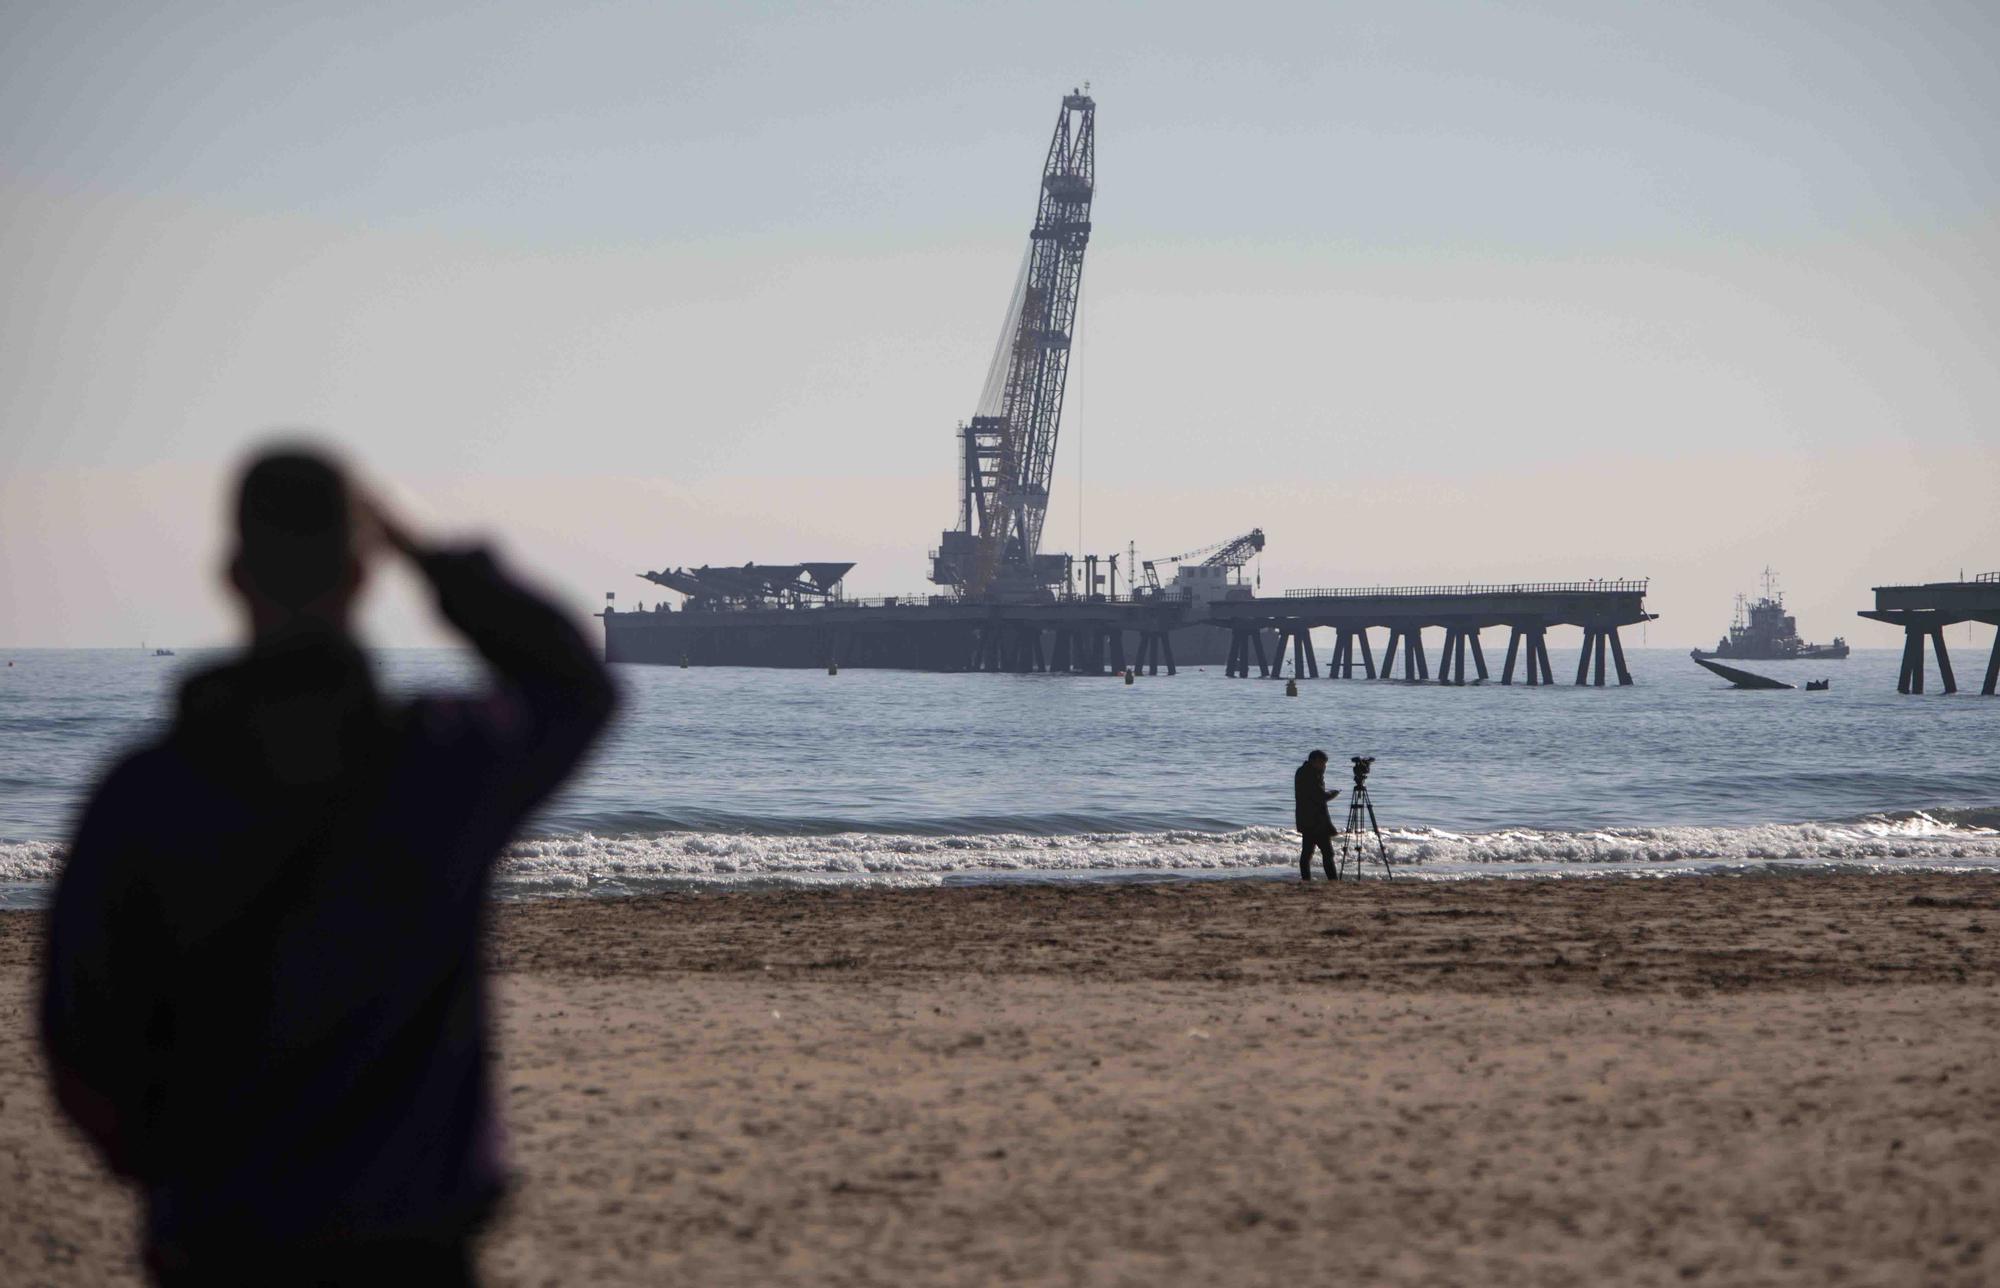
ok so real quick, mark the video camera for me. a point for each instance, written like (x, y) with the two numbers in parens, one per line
(1362, 764)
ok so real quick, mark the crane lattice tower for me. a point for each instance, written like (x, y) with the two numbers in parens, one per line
(1009, 446)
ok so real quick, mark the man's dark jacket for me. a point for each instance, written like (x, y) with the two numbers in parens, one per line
(1309, 798)
(263, 994)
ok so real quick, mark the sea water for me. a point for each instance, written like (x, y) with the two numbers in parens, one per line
(737, 777)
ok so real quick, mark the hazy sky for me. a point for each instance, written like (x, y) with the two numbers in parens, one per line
(1430, 292)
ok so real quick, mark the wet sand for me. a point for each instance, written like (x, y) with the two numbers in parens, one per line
(1711, 1080)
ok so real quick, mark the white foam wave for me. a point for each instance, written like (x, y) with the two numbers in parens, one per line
(607, 865)
(603, 864)
(29, 861)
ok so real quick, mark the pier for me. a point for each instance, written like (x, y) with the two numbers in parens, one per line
(1145, 633)
(1924, 611)
(1528, 610)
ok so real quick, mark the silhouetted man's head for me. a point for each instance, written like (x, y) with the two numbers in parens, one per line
(295, 558)
(1318, 758)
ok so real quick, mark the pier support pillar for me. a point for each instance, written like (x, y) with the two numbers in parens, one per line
(1912, 678)
(1597, 640)
(1114, 640)
(1451, 659)
(1531, 644)
(1410, 639)
(1298, 638)
(1341, 665)
(1032, 658)
(1243, 642)
(1992, 666)
(1154, 648)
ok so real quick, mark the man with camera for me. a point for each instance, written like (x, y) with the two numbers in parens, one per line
(1309, 797)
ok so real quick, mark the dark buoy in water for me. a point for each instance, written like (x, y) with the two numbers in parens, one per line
(684, 661)
(1128, 677)
(833, 668)
(1292, 688)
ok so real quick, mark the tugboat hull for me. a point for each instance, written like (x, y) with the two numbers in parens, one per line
(1805, 652)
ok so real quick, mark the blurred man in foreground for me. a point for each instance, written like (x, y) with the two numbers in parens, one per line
(263, 999)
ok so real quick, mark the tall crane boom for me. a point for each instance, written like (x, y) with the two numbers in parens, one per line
(1010, 445)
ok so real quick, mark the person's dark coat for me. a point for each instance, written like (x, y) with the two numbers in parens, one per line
(263, 996)
(1309, 798)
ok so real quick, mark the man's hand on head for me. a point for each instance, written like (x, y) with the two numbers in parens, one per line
(375, 528)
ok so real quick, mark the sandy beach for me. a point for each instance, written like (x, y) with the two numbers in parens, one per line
(1727, 1081)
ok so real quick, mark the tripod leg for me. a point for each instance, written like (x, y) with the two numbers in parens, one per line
(1381, 850)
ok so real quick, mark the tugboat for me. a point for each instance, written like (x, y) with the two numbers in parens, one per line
(1763, 631)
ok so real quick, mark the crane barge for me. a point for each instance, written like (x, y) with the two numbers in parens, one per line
(992, 560)
(1002, 603)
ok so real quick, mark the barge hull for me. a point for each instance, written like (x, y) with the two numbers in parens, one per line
(941, 640)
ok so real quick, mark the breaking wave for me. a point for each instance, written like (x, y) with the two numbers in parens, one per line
(591, 865)
(587, 865)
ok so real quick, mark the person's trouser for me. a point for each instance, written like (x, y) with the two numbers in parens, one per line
(1308, 842)
(445, 1263)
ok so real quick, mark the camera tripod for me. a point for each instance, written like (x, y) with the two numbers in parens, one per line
(1353, 843)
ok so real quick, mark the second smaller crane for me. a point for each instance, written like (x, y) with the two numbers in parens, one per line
(1229, 555)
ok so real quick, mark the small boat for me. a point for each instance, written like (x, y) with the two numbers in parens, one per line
(1741, 679)
(1818, 686)
(163, 652)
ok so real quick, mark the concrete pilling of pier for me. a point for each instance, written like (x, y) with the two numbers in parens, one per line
(1528, 611)
(1924, 611)
(1091, 635)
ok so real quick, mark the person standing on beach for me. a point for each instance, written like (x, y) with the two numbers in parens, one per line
(1309, 797)
(262, 998)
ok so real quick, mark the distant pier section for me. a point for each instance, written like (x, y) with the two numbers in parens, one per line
(1526, 609)
(1924, 611)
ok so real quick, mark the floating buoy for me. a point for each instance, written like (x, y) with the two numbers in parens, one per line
(1128, 677)
(1291, 688)
(684, 661)
(833, 668)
